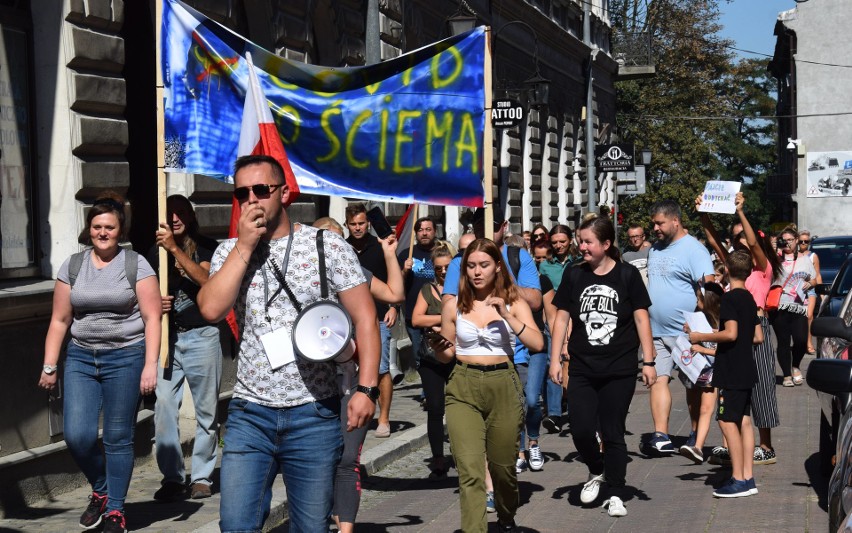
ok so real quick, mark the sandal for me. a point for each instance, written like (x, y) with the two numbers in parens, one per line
(788, 381)
(797, 376)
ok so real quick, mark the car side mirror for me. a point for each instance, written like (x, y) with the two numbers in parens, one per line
(831, 326)
(823, 289)
(831, 376)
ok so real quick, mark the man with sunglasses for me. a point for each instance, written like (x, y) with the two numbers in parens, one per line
(284, 415)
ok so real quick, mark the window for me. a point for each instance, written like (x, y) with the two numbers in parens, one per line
(16, 168)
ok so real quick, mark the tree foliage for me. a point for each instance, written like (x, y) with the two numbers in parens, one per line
(696, 76)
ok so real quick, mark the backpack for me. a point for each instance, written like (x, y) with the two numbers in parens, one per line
(131, 267)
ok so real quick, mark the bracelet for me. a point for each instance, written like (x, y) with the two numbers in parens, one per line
(518, 334)
(649, 363)
(239, 253)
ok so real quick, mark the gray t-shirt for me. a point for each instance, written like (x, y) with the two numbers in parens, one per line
(639, 259)
(106, 311)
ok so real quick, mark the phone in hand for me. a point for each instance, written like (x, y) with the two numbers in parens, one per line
(379, 222)
(434, 336)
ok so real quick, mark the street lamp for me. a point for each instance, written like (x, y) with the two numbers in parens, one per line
(646, 156)
(538, 87)
(461, 21)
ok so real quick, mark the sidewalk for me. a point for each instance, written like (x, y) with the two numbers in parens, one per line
(62, 513)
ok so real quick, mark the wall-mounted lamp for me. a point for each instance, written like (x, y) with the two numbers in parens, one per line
(646, 157)
(792, 144)
(538, 87)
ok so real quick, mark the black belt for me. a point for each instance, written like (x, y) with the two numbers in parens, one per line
(184, 329)
(486, 368)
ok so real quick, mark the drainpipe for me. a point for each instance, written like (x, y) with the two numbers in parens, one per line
(590, 119)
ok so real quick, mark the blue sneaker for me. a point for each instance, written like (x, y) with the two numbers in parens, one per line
(661, 444)
(489, 502)
(690, 440)
(752, 486)
(734, 488)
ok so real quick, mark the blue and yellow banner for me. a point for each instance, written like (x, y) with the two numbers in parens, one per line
(409, 129)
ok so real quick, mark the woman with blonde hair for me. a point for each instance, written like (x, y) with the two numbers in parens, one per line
(484, 396)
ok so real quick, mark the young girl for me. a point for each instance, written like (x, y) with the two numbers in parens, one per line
(701, 400)
(484, 398)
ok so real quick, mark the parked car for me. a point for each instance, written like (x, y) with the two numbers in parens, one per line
(830, 374)
(832, 251)
(834, 293)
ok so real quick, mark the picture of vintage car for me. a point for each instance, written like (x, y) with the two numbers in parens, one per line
(839, 182)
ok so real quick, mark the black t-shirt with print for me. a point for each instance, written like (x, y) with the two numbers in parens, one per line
(604, 340)
(734, 367)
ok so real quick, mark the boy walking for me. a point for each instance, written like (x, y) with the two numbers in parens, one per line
(734, 374)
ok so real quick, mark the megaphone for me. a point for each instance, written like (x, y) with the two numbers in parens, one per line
(323, 332)
(396, 373)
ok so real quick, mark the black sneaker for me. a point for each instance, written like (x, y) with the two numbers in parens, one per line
(171, 491)
(552, 424)
(114, 522)
(509, 527)
(92, 516)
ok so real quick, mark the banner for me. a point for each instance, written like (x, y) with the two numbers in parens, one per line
(829, 174)
(405, 130)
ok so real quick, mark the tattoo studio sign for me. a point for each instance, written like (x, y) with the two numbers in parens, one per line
(506, 113)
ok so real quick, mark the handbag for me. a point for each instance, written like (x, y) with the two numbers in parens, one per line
(773, 298)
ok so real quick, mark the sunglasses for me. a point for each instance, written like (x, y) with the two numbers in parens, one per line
(261, 190)
(804, 242)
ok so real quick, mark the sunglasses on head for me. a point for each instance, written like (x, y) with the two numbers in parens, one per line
(261, 190)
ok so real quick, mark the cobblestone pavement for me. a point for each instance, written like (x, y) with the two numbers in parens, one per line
(670, 493)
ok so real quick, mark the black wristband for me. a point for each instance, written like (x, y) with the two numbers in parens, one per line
(649, 363)
(518, 334)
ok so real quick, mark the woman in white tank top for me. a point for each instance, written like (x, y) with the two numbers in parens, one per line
(484, 396)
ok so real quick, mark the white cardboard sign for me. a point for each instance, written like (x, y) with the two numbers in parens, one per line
(719, 196)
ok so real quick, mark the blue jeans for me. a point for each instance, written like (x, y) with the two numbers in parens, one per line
(416, 336)
(197, 360)
(105, 379)
(303, 443)
(532, 379)
(385, 337)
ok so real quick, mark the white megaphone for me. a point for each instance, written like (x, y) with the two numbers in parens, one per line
(323, 332)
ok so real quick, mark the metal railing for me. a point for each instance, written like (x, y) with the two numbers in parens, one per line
(632, 49)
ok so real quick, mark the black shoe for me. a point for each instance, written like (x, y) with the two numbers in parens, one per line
(94, 513)
(114, 522)
(171, 491)
(552, 424)
(511, 527)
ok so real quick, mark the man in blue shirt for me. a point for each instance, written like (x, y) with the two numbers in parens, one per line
(677, 262)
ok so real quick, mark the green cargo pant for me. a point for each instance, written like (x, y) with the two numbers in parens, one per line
(484, 416)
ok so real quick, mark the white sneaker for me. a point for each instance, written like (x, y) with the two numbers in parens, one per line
(536, 461)
(591, 488)
(520, 465)
(615, 507)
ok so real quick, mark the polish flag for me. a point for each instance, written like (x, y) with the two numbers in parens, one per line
(258, 136)
(405, 229)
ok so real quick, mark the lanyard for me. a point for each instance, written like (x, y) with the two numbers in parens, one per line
(279, 275)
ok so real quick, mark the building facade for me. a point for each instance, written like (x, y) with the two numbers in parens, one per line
(78, 117)
(814, 145)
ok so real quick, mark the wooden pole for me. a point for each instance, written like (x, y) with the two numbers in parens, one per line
(161, 180)
(488, 144)
(416, 214)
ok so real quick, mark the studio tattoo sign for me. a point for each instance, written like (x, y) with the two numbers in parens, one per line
(406, 130)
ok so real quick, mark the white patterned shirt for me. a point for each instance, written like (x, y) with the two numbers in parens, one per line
(299, 382)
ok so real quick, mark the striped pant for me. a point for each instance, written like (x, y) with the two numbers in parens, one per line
(764, 405)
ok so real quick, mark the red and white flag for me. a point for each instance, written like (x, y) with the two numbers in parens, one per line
(405, 227)
(258, 136)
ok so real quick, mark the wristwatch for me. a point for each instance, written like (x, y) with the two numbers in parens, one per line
(371, 392)
(49, 369)
(649, 363)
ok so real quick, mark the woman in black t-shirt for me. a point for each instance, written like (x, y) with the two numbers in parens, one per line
(608, 305)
